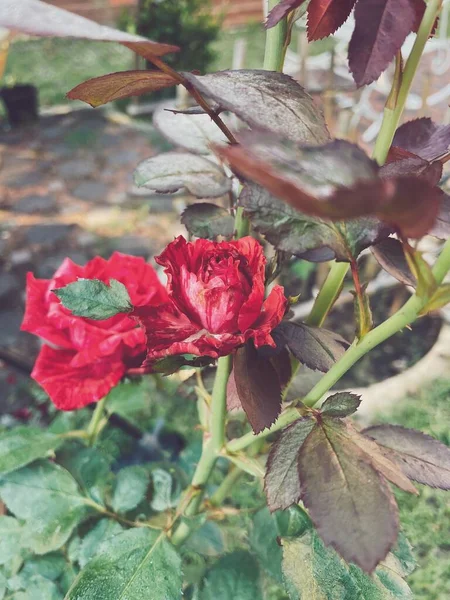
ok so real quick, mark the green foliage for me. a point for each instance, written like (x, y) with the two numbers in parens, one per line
(23, 445)
(94, 299)
(232, 576)
(48, 499)
(130, 488)
(131, 565)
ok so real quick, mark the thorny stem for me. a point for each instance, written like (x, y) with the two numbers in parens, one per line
(213, 442)
(406, 315)
(214, 437)
(392, 116)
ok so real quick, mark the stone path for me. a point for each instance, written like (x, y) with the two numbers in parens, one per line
(66, 190)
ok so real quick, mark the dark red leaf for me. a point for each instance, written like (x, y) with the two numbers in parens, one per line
(281, 10)
(389, 254)
(258, 387)
(281, 362)
(348, 500)
(44, 20)
(416, 166)
(396, 153)
(381, 27)
(423, 137)
(336, 182)
(100, 90)
(315, 347)
(233, 400)
(441, 228)
(421, 457)
(325, 16)
(281, 482)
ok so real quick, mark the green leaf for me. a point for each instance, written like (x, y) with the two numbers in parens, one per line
(363, 313)
(315, 347)
(49, 566)
(23, 445)
(38, 588)
(130, 488)
(164, 494)
(89, 467)
(11, 538)
(130, 399)
(341, 404)
(439, 299)
(348, 499)
(171, 171)
(308, 237)
(93, 299)
(207, 540)
(139, 563)
(104, 530)
(3, 582)
(281, 483)
(314, 572)
(205, 220)
(48, 499)
(263, 542)
(234, 576)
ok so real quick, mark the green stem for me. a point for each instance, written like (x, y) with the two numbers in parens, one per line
(328, 294)
(406, 315)
(226, 487)
(96, 424)
(241, 224)
(213, 442)
(275, 38)
(391, 116)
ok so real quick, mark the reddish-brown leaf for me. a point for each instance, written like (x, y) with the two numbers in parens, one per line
(258, 387)
(348, 500)
(281, 10)
(335, 182)
(44, 20)
(100, 90)
(423, 138)
(441, 228)
(414, 165)
(233, 400)
(281, 483)
(325, 16)
(381, 27)
(389, 254)
(421, 457)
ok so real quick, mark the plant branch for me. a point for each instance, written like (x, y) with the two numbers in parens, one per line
(406, 315)
(213, 442)
(97, 422)
(275, 43)
(225, 488)
(392, 116)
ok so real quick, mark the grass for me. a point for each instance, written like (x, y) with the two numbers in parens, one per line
(426, 519)
(55, 66)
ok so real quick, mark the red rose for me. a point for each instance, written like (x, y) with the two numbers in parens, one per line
(87, 358)
(216, 300)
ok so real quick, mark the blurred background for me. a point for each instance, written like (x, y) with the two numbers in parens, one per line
(66, 189)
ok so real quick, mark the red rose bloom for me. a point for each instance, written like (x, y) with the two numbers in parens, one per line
(87, 358)
(216, 300)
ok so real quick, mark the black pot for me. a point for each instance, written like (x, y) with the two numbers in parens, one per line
(21, 102)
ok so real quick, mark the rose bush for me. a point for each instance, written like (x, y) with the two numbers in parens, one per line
(216, 300)
(83, 359)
